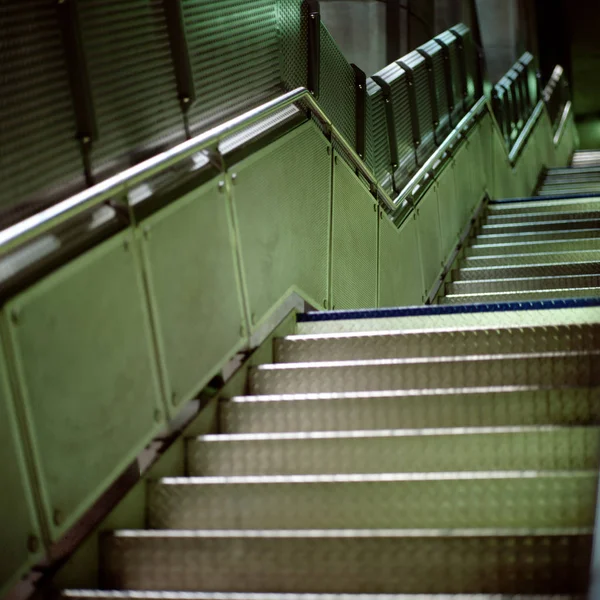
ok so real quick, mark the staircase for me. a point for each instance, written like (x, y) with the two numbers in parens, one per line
(448, 449)
(582, 177)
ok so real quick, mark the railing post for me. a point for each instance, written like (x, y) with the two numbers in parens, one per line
(314, 47)
(181, 58)
(79, 83)
(360, 89)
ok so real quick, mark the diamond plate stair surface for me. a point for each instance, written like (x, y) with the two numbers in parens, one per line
(448, 449)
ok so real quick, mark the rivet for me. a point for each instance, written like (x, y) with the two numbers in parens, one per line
(325, 303)
(328, 150)
(221, 186)
(33, 544)
(335, 160)
(57, 517)
(185, 100)
(233, 178)
(360, 87)
(375, 207)
(387, 100)
(86, 139)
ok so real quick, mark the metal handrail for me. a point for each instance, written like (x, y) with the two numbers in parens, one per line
(121, 183)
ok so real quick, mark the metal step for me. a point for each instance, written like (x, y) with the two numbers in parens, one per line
(524, 284)
(553, 225)
(526, 217)
(570, 206)
(477, 500)
(455, 320)
(592, 292)
(506, 249)
(559, 368)
(442, 342)
(569, 188)
(534, 258)
(514, 271)
(546, 448)
(537, 236)
(470, 407)
(581, 159)
(350, 561)
(149, 595)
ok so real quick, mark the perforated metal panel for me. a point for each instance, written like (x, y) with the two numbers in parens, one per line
(189, 249)
(448, 205)
(234, 51)
(400, 276)
(19, 529)
(87, 376)
(421, 83)
(293, 42)
(396, 78)
(37, 124)
(354, 242)
(132, 80)
(377, 145)
(451, 42)
(282, 202)
(430, 239)
(337, 94)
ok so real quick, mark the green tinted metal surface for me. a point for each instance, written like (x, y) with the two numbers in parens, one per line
(189, 252)
(354, 241)
(400, 270)
(449, 214)
(282, 204)
(87, 376)
(19, 530)
(430, 240)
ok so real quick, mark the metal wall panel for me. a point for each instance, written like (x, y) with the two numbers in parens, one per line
(400, 277)
(354, 242)
(449, 210)
(19, 530)
(430, 239)
(282, 201)
(87, 376)
(37, 125)
(132, 80)
(189, 254)
(337, 94)
(234, 53)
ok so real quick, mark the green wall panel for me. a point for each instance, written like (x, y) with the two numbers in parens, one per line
(87, 376)
(282, 200)
(430, 239)
(190, 259)
(20, 535)
(449, 211)
(400, 277)
(354, 242)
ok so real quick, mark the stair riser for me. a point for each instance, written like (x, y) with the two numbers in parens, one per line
(572, 224)
(506, 249)
(569, 207)
(521, 296)
(524, 284)
(446, 343)
(492, 409)
(499, 219)
(578, 370)
(513, 272)
(546, 258)
(540, 502)
(519, 238)
(346, 564)
(538, 449)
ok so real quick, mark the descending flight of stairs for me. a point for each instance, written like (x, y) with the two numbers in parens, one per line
(582, 177)
(447, 449)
